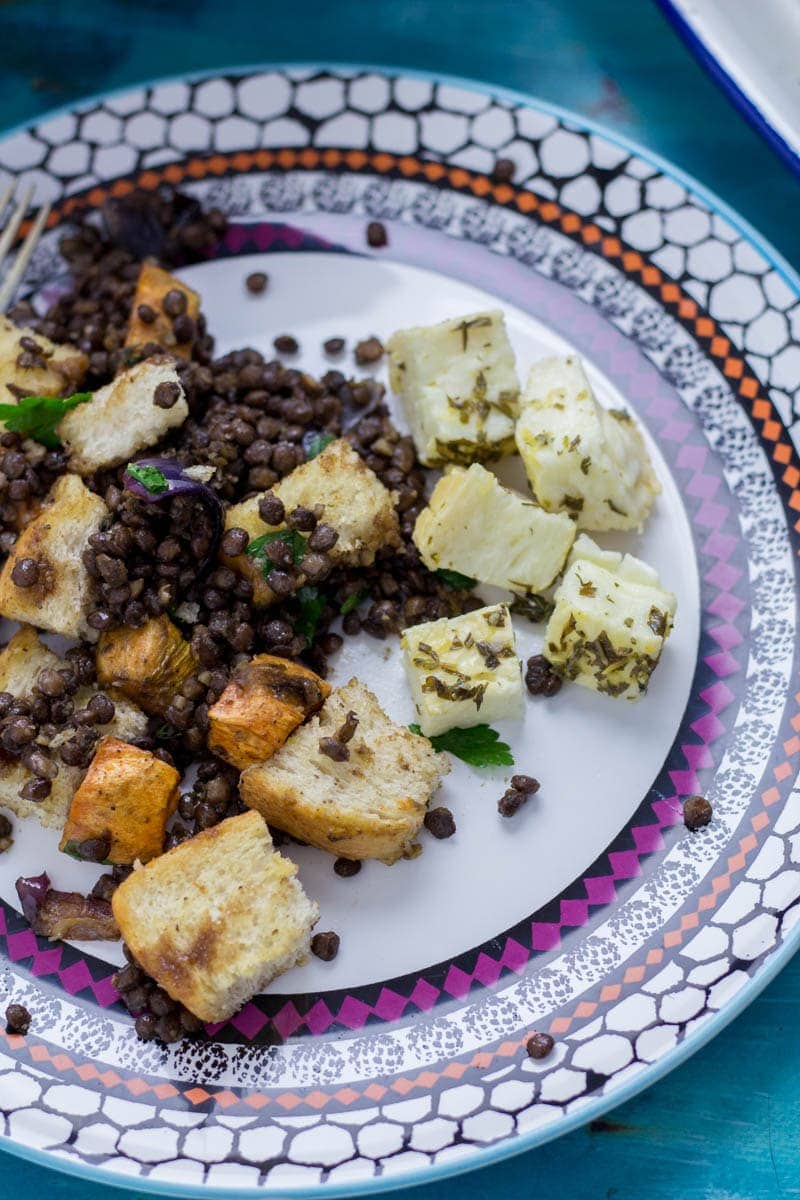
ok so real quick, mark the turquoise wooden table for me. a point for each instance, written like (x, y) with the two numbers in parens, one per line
(726, 1125)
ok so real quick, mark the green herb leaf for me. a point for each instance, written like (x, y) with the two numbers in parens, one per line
(455, 580)
(317, 444)
(294, 540)
(37, 417)
(149, 477)
(352, 602)
(311, 606)
(479, 746)
(533, 606)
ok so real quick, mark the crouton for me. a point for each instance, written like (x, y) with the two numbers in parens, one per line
(122, 417)
(151, 288)
(266, 699)
(127, 795)
(148, 665)
(372, 804)
(53, 371)
(21, 662)
(355, 503)
(218, 918)
(56, 538)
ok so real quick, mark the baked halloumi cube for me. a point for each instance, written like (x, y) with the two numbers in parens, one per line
(21, 663)
(122, 417)
(370, 804)
(581, 458)
(218, 918)
(459, 387)
(55, 539)
(354, 502)
(46, 370)
(463, 670)
(151, 288)
(610, 621)
(474, 525)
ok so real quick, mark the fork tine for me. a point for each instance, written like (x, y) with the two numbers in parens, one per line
(10, 231)
(14, 276)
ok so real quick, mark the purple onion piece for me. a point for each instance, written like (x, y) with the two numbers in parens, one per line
(31, 892)
(179, 484)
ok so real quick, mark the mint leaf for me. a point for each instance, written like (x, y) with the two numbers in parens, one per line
(311, 607)
(317, 443)
(149, 477)
(352, 602)
(37, 417)
(455, 580)
(294, 540)
(480, 746)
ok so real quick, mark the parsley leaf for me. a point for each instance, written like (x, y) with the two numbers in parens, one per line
(311, 605)
(149, 477)
(352, 602)
(294, 540)
(37, 417)
(479, 746)
(317, 443)
(455, 580)
(533, 606)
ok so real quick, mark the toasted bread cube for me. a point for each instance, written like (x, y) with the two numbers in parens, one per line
(56, 539)
(128, 795)
(21, 662)
(459, 387)
(57, 371)
(474, 525)
(151, 288)
(122, 418)
(610, 621)
(148, 665)
(371, 805)
(217, 918)
(266, 699)
(463, 670)
(355, 503)
(581, 458)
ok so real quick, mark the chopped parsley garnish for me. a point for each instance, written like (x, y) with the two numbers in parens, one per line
(533, 606)
(479, 746)
(317, 443)
(455, 580)
(311, 605)
(294, 540)
(149, 477)
(38, 417)
(352, 602)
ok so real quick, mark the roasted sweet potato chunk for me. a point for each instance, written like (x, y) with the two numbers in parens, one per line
(126, 798)
(266, 699)
(148, 665)
(151, 288)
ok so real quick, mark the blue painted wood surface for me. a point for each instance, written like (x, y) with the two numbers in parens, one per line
(725, 1126)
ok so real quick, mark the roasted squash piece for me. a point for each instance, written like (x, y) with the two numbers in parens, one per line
(127, 796)
(266, 699)
(148, 665)
(151, 288)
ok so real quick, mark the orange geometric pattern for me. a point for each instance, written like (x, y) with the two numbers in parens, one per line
(731, 364)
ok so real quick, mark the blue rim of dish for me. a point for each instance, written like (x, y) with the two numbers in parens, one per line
(714, 1025)
(729, 84)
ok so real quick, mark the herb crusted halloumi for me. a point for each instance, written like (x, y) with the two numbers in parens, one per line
(123, 417)
(36, 366)
(610, 621)
(474, 525)
(581, 458)
(459, 386)
(463, 670)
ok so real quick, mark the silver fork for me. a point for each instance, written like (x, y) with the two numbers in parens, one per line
(10, 224)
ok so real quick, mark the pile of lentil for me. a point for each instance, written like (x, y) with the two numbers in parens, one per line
(252, 420)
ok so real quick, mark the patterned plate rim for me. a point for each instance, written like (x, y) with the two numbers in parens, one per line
(654, 1071)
